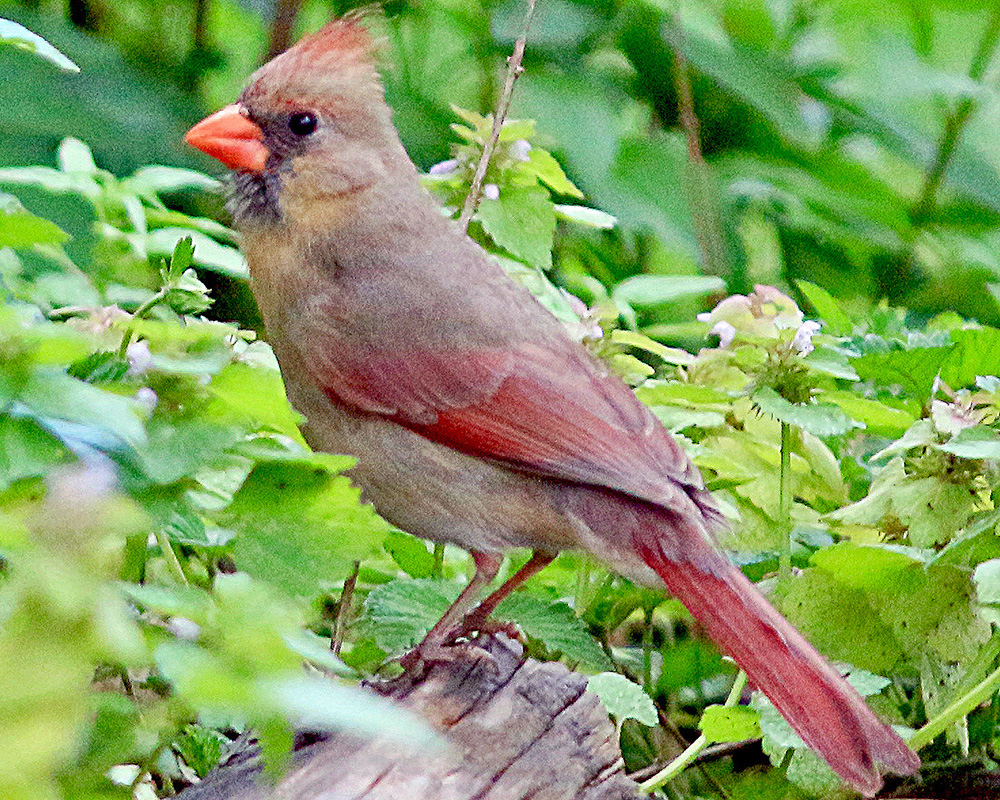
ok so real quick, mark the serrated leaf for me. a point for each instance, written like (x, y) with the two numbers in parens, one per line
(819, 419)
(400, 613)
(556, 626)
(729, 723)
(177, 448)
(914, 370)
(521, 221)
(622, 698)
(300, 526)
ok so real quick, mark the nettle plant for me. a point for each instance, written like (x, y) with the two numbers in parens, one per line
(173, 553)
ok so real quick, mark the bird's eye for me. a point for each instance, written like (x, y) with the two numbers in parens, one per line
(303, 123)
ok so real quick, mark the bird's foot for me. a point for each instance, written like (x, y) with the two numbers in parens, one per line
(427, 653)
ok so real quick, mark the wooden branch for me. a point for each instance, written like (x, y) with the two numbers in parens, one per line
(518, 730)
(514, 70)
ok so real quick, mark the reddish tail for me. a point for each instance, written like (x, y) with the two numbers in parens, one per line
(826, 711)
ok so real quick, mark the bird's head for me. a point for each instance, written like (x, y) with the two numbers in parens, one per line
(312, 125)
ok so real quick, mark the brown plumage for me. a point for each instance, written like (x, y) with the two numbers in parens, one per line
(475, 417)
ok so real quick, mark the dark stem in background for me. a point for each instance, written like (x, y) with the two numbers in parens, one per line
(955, 123)
(514, 70)
(280, 39)
(704, 210)
(343, 609)
(199, 33)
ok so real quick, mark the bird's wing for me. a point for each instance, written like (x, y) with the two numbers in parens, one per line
(546, 408)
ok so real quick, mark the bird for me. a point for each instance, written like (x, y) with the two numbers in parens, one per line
(475, 417)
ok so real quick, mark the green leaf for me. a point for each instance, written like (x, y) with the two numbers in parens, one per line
(521, 221)
(300, 525)
(21, 228)
(975, 442)
(320, 704)
(543, 166)
(400, 613)
(729, 723)
(244, 392)
(672, 355)
(827, 307)
(15, 35)
(56, 396)
(176, 448)
(914, 370)
(819, 419)
(877, 418)
(622, 698)
(410, 553)
(976, 352)
(316, 650)
(588, 217)
(647, 290)
(556, 626)
(152, 180)
(26, 450)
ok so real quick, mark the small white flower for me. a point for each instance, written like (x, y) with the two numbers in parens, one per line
(147, 397)
(520, 149)
(491, 191)
(139, 357)
(725, 332)
(444, 167)
(184, 628)
(802, 341)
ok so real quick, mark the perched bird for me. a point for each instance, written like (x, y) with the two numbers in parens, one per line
(476, 419)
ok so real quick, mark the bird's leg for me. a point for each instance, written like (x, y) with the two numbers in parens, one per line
(432, 647)
(476, 620)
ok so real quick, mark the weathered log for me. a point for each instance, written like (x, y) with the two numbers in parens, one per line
(517, 729)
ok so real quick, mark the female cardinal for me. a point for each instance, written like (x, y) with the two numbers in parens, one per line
(475, 418)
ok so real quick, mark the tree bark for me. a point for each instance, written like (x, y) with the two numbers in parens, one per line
(517, 729)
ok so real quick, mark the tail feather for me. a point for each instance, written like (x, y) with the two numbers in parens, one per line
(821, 706)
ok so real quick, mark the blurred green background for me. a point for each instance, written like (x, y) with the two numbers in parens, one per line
(851, 142)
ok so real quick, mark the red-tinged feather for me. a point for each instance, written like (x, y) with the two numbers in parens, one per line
(527, 409)
(826, 712)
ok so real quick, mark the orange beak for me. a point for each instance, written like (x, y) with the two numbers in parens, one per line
(231, 138)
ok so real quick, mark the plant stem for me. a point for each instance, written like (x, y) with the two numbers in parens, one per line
(437, 568)
(647, 651)
(343, 608)
(684, 760)
(956, 710)
(704, 210)
(139, 313)
(173, 563)
(785, 502)
(956, 121)
(514, 70)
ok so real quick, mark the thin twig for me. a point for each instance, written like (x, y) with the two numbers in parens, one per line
(955, 123)
(340, 623)
(280, 37)
(514, 70)
(707, 227)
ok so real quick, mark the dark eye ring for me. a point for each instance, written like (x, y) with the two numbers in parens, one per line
(303, 123)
